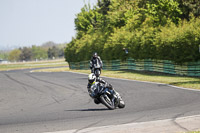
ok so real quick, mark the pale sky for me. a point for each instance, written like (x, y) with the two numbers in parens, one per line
(34, 22)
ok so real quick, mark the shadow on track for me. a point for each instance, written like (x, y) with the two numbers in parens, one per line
(102, 109)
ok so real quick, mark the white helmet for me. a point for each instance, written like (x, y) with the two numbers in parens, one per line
(91, 78)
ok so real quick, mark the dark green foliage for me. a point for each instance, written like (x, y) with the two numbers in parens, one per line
(181, 43)
(26, 54)
(103, 6)
(149, 29)
(53, 52)
(189, 8)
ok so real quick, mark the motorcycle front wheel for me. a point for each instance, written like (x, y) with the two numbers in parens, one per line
(97, 72)
(107, 102)
(121, 104)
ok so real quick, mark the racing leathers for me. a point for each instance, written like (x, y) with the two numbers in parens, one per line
(96, 62)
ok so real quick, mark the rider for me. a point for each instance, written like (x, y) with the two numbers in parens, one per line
(95, 60)
(92, 79)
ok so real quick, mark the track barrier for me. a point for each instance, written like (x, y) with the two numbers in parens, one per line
(163, 66)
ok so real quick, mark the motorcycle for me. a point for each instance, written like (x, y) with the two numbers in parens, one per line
(96, 69)
(105, 96)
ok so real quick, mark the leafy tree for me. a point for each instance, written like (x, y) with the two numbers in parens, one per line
(149, 29)
(179, 44)
(103, 6)
(70, 51)
(189, 8)
(53, 52)
(38, 52)
(90, 21)
(48, 44)
(4, 55)
(26, 54)
(86, 20)
(117, 10)
(14, 55)
(61, 53)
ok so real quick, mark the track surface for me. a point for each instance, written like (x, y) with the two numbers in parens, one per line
(44, 102)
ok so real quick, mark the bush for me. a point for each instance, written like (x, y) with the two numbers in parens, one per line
(179, 44)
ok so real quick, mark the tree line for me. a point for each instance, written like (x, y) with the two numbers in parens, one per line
(49, 50)
(148, 29)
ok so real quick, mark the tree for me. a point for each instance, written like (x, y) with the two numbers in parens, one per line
(141, 27)
(14, 55)
(87, 21)
(4, 55)
(38, 52)
(104, 6)
(189, 8)
(48, 44)
(53, 52)
(163, 12)
(61, 53)
(26, 54)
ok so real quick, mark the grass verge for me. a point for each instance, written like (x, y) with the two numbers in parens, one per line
(180, 81)
(193, 132)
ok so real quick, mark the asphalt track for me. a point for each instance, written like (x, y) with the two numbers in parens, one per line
(47, 102)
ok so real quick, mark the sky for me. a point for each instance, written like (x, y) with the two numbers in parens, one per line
(34, 22)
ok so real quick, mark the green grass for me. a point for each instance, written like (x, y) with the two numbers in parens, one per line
(181, 81)
(63, 69)
(28, 65)
(193, 132)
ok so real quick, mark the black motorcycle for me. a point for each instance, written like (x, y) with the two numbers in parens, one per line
(105, 96)
(96, 69)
